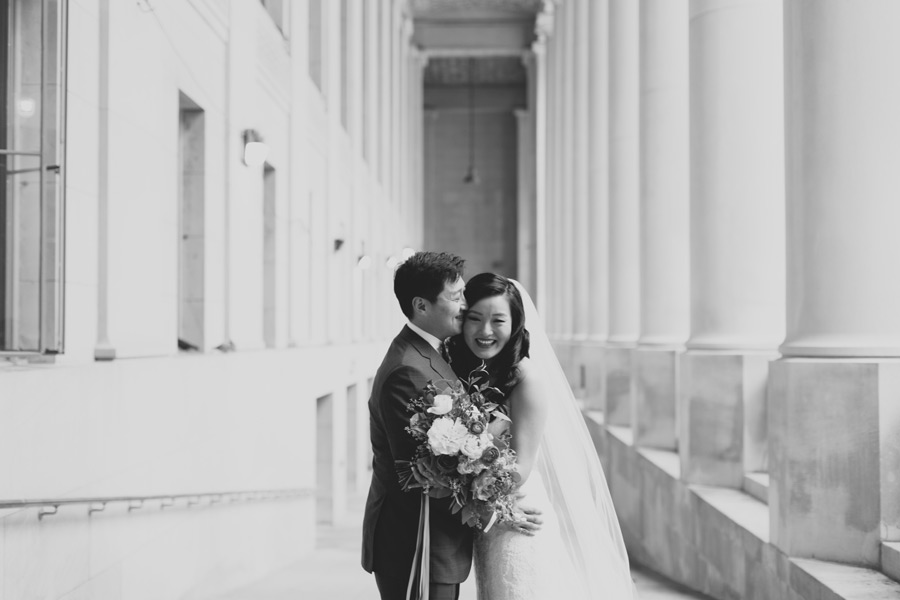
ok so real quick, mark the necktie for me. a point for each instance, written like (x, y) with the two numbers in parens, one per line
(445, 353)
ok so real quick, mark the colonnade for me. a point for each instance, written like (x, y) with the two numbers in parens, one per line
(721, 202)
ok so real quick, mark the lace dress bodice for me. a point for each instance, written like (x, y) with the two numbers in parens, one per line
(510, 565)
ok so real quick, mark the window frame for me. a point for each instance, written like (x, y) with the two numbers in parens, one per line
(54, 55)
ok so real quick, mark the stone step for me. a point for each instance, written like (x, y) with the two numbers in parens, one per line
(890, 559)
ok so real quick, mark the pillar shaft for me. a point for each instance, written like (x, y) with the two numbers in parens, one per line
(623, 227)
(580, 144)
(664, 147)
(540, 98)
(597, 29)
(567, 171)
(737, 175)
(737, 228)
(664, 257)
(624, 189)
(843, 143)
(554, 231)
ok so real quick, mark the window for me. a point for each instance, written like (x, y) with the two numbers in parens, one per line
(191, 238)
(269, 257)
(316, 40)
(367, 84)
(32, 77)
(345, 65)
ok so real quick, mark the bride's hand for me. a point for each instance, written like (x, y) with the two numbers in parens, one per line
(531, 521)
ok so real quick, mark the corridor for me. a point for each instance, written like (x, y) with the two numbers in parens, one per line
(205, 203)
(333, 572)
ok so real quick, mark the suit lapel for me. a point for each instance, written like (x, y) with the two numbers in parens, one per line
(438, 364)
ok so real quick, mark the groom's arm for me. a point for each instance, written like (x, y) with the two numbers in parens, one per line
(402, 385)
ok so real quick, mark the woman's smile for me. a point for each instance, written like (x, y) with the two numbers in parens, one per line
(488, 326)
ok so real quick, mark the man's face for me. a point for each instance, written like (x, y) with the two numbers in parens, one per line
(444, 317)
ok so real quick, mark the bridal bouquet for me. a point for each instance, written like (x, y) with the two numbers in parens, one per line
(457, 457)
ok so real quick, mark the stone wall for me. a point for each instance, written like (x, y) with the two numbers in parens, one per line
(714, 540)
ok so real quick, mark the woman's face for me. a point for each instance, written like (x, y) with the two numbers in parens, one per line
(488, 326)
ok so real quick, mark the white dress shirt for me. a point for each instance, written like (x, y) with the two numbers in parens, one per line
(432, 341)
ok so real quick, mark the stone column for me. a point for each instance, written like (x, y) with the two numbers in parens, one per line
(103, 349)
(568, 175)
(834, 419)
(543, 28)
(384, 75)
(526, 167)
(566, 201)
(737, 233)
(580, 144)
(664, 147)
(594, 28)
(525, 239)
(554, 231)
(624, 246)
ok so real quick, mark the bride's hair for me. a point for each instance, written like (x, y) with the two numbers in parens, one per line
(504, 367)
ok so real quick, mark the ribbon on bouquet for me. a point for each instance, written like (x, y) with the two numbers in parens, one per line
(420, 574)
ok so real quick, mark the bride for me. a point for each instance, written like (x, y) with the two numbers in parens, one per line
(578, 553)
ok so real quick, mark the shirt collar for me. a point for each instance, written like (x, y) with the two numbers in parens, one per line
(432, 341)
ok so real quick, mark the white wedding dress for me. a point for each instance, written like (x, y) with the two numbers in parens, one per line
(578, 554)
(512, 566)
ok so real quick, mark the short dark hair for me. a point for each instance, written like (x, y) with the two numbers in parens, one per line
(424, 275)
(504, 369)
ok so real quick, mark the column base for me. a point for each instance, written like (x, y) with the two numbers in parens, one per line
(722, 429)
(104, 351)
(582, 362)
(617, 375)
(834, 437)
(655, 384)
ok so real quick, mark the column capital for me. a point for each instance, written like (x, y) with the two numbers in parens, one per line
(543, 24)
(407, 26)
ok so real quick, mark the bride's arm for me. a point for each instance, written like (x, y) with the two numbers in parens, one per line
(528, 406)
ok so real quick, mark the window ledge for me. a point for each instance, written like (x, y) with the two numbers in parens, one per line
(890, 559)
(757, 485)
(844, 581)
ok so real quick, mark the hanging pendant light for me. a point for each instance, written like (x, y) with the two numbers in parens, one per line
(472, 173)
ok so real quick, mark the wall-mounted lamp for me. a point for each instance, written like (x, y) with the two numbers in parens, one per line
(255, 151)
(364, 262)
(392, 262)
(407, 253)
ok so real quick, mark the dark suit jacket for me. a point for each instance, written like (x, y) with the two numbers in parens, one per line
(391, 521)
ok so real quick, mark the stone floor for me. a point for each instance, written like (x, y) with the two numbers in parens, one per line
(333, 572)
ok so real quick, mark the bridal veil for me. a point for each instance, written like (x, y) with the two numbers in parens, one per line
(570, 469)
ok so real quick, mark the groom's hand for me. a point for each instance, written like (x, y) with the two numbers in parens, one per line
(531, 521)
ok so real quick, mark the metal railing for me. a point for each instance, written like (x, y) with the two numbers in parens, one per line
(98, 504)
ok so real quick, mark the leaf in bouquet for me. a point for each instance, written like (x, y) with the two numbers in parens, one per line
(439, 492)
(501, 416)
(468, 515)
(492, 390)
(457, 504)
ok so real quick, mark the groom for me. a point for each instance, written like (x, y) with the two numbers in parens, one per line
(429, 287)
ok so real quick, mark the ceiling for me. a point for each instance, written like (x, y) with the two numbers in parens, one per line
(496, 70)
(495, 32)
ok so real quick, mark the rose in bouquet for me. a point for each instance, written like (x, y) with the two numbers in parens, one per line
(457, 456)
